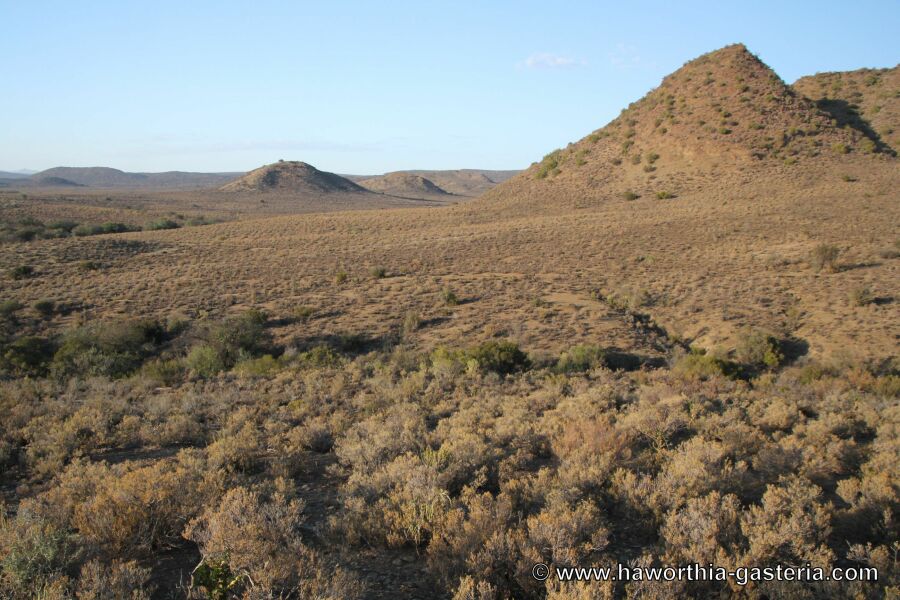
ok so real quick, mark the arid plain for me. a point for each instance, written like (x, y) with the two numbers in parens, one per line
(303, 385)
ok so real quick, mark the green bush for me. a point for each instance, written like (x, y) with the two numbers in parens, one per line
(109, 227)
(698, 365)
(32, 551)
(111, 349)
(449, 297)
(165, 372)
(204, 360)
(304, 313)
(582, 357)
(21, 272)
(8, 308)
(379, 272)
(629, 195)
(664, 195)
(27, 355)
(89, 265)
(341, 277)
(45, 307)
(257, 367)
(549, 165)
(66, 226)
(503, 358)
(161, 224)
(237, 337)
(321, 356)
(759, 349)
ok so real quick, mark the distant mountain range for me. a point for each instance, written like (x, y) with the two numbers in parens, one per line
(106, 177)
(290, 175)
(16, 174)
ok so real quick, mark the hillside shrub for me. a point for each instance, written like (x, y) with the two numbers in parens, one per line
(27, 355)
(698, 365)
(759, 349)
(549, 165)
(582, 357)
(204, 361)
(319, 357)
(503, 358)
(33, 552)
(21, 272)
(8, 308)
(45, 307)
(110, 349)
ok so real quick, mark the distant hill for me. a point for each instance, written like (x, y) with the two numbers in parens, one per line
(105, 177)
(724, 114)
(461, 182)
(292, 176)
(865, 99)
(13, 175)
(403, 185)
(54, 181)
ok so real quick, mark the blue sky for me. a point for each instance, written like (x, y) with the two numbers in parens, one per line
(368, 87)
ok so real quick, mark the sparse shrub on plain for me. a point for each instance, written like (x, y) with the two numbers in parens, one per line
(862, 296)
(824, 257)
(839, 148)
(411, 323)
(341, 277)
(449, 297)
(304, 313)
(629, 195)
(664, 195)
(378, 272)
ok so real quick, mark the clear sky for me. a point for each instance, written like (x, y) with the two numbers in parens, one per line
(368, 87)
